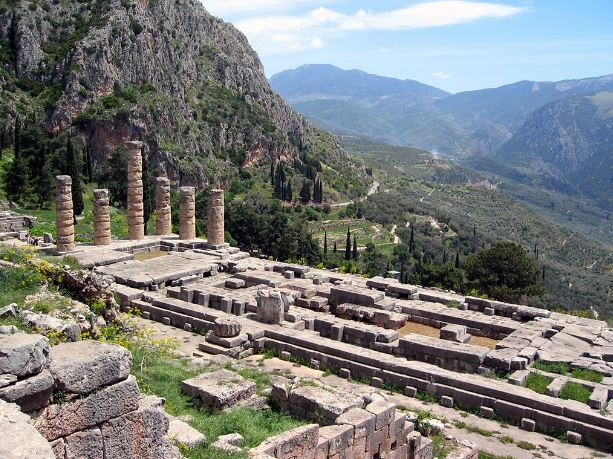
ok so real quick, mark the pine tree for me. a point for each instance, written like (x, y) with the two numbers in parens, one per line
(148, 190)
(457, 260)
(335, 248)
(325, 242)
(355, 248)
(412, 240)
(73, 163)
(348, 245)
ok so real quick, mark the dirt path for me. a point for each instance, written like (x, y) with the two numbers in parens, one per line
(396, 238)
(374, 189)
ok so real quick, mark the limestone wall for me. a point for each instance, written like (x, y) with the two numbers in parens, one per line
(81, 399)
(10, 223)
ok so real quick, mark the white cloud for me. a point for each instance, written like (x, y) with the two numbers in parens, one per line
(239, 7)
(312, 27)
(442, 75)
(317, 43)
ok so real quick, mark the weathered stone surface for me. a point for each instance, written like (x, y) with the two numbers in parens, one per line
(23, 354)
(187, 213)
(64, 214)
(182, 433)
(500, 358)
(363, 421)
(136, 227)
(300, 442)
(86, 444)
(227, 328)
(322, 404)
(61, 420)
(215, 222)
(9, 310)
(272, 305)
(43, 322)
(163, 223)
(30, 394)
(219, 390)
(102, 225)
(85, 366)
(19, 439)
(139, 434)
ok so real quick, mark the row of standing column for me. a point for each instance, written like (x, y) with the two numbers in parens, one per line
(136, 220)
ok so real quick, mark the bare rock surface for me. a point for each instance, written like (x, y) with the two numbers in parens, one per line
(31, 393)
(22, 354)
(20, 440)
(182, 433)
(220, 389)
(84, 366)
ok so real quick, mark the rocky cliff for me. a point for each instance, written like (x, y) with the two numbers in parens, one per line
(165, 71)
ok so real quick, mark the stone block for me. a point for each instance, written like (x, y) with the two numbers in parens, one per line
(363, 421)
(344, 373)
(486, 412)
(182, 433)
(84, 366)
(20, 440)
(336, 332)
(574, 438)
(166, 320)
(527, 424)
(376, 382)
(235, 283)
(85, 444)
(599, 398)
(340, 438)
(301, 442)
(285, 355)
(219, 390)
(488, 311)
(410, 391)
(110, 402)
(30, 394)
(384, 411)
(446, 401)
(22, 354)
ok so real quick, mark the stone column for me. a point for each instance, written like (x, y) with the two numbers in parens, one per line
(187, 213)
(136, 219)
(163, 222)
(64, 213)
(102, 218)
(215, 226)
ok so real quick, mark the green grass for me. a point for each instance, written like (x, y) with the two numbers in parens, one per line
(575, 391)
(440, 446)
(526, 445)
(162, 376)
(473, 429)
(17, 283)
(505, 439)
(486, 455)
(564, 369)
(538, 382)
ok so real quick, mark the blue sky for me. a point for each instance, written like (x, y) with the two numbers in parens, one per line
(455, 45)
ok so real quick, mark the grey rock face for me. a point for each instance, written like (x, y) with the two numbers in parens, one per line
(11, 310)
(44, 322)
(272, 306)
(31, 393)
(20, 440)
(84, 366)
(87, 443)
(22, 354)
(220, 389)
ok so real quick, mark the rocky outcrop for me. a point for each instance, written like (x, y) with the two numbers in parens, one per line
(82, 402)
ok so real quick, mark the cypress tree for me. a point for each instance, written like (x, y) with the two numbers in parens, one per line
(17, 138)
(289, 194)
(73, 163)
(87, 166)
(355, 248)
(543, 275)
(457, 260)
(334, 249)
(412, 240)
(272, 173)
(148, 190)
(44, 181)
(305, 192)
(348, 245)
(325, 242)
(444, 257)
(16, 175)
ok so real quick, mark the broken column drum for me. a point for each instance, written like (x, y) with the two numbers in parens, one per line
(187, 213)
(64, 214)
(163, 219)
(102, 218)
(215, 226)
(136, 219)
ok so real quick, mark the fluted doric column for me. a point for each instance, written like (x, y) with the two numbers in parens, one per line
(136, 219)
(163, 221)
(102, 218)
(215, 225)
(64, 213)
(187, 213)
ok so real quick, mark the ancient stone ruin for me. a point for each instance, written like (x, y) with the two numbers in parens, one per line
(187, 213)
(163, 221)
(75, 400)
(64, 214)
(215, 229)
(102, 218)
(136, 219)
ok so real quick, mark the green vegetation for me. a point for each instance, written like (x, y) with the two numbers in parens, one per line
(575, 391)
(473, 429)
(161, 374)
(538, 382)
(486, 455)
(441, 447)
(17, 283)
(564, 369)
(526, 445)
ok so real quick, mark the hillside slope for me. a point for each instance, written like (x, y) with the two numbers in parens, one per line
(568, 144)
(164, 71)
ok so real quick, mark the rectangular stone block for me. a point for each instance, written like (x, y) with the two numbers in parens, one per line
(363, 421)
(384, 412)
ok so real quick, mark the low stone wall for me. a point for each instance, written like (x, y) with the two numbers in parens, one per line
(82, 399)
(350, 427)
(11, 223)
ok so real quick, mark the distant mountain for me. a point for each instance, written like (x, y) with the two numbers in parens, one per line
(567, 144)
(409, 113)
